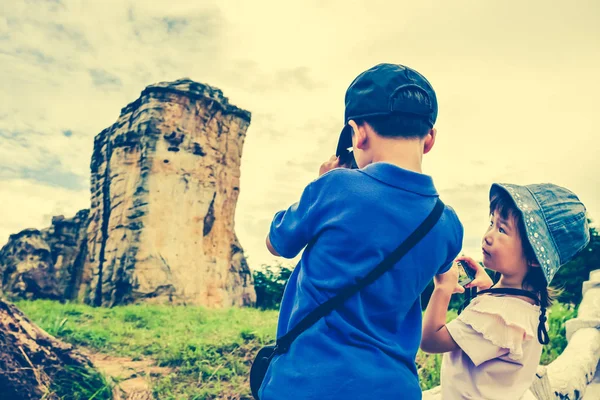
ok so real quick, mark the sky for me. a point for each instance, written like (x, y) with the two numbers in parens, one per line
(517, 85)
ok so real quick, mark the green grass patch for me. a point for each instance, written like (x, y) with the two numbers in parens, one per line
(76, 383)
(210, 350)
(558, 314)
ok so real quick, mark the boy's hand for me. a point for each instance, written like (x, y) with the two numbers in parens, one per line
(448, 281)
(482, 280)
(333, 162)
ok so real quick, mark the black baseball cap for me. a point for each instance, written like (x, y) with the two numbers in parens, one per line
(375, 93)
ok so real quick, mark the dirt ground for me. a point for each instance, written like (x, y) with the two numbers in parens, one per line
(132, 378)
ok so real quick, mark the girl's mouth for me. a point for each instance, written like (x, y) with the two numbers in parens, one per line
(485, 253)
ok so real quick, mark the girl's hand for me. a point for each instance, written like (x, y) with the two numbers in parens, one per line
(448, 281)
(482, 280)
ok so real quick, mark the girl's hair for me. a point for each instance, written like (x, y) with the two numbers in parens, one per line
(503, 204)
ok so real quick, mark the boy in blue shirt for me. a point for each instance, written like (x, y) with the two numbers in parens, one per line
(348, 221)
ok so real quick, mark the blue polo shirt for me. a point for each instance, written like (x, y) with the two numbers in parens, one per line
(348, 221)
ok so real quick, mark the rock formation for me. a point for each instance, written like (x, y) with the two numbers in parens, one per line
(45, 264)
(165, 183)
(164, 187)
(67, 239)
(26, 267)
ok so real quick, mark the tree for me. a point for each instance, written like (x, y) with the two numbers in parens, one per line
(269, 284)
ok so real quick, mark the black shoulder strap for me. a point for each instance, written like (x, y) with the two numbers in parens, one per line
(543, 337)
(284, 342)
(512, 292)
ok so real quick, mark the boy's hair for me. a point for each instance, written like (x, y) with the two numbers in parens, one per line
(503, 204)
(405, 125)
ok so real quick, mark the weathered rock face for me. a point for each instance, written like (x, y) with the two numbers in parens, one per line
(165, 183)
(45, 264)
(26, 267)
(67, 239)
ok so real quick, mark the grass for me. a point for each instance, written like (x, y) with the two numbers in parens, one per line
(558, 314)
(209, 350)
(75, 383)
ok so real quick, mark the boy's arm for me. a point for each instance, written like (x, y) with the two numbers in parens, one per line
(292, 229)
(435, 335)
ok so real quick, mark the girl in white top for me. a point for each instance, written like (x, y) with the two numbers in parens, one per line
(492, 349)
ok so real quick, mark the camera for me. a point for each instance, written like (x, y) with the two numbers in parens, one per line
(465, 273)
(347, 159)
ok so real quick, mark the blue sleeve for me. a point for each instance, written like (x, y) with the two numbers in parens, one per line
(292, 229)
(455, 243)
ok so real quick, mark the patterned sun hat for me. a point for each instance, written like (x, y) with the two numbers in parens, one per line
(555, 222)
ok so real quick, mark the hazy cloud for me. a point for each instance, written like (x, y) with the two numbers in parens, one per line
(101, 77)
(516, 83)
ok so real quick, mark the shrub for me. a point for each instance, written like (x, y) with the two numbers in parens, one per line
(269, 284)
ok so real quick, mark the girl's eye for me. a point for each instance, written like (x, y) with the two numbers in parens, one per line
(501, 230)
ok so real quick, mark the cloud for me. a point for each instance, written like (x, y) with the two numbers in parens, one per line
(51, 175)
(104, 78)
(34, 55)
(175, 25)
(38, 155)
(516, 85)
(248, 75)
(28, 204)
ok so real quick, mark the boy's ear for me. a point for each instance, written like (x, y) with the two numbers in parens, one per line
(359, 136)
(429, 140)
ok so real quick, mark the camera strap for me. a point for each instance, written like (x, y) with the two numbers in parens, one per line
(284, 342)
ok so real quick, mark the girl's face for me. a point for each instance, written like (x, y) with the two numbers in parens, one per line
(502, 247)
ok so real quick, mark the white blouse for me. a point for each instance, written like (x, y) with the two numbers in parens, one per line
(499, 350)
